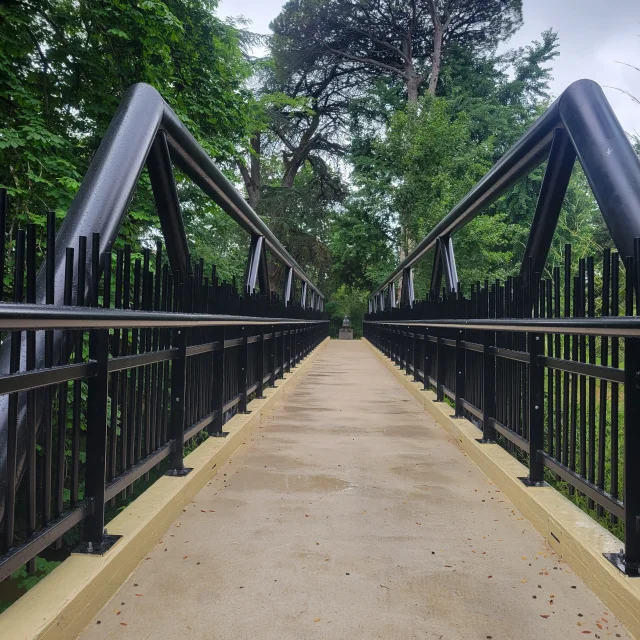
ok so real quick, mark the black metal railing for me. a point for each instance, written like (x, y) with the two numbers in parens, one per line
(111, 361)
(547, 367)
(153, 362)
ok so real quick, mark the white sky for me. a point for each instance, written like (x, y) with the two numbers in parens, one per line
(594, 35)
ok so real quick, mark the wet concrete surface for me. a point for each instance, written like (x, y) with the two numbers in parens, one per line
(350, 514)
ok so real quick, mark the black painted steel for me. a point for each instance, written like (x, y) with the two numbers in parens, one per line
(530, 363)
(603, 149)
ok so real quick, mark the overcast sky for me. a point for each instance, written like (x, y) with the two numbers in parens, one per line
(594, 36)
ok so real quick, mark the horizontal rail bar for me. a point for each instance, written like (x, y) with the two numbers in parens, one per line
(39, 541)
(511, 436)
(471, 408)
(120, 483)
(590, 490)
(473, 346)
(124, 363)
(509, 354)
(604, 326)
(198, 349)
(25, 380)
(252, 388)
(232, 403)
(609, 374)
(34, 317)
(196, 428)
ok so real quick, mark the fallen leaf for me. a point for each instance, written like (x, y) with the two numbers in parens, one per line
(317, 620)
(544, 615)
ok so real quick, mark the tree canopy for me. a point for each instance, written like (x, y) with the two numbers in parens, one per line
(364, 123)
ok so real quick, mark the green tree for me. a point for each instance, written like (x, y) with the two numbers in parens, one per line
(404, 40)
(64, 67)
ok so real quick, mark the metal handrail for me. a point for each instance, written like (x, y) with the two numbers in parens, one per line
(33, 317)
(145, 130)
(609, 161)
(618, 326)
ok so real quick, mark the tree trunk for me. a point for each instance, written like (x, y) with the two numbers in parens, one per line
(436, 61)
(252, 177)
(413, 85)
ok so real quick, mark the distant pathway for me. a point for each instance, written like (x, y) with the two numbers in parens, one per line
(351, 515)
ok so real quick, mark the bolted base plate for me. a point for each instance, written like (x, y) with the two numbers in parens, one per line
(528, 483)
(219, 434)
(618, 561)
(179, 473)
(96, 549)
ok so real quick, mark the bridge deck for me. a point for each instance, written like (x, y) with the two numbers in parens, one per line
(351, 514)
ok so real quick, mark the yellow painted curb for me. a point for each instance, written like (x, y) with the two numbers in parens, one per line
(63, 604)
(578, 539)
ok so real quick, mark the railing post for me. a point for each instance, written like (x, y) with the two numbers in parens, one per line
(439, 369)
(405, 352)
(178, 386)
(425, 360)
(282, 349)
(218, 386)
(536, 410)
(488, 389)
(96, 465)
(263, 351)
(629, 560)
(272, 357)
(416, 377)
(243, 371)
(460, 374)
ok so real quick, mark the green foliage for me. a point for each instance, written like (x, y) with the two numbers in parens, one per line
(351, 302)
(64, 67)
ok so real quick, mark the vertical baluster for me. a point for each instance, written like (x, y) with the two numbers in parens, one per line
(604, 361)
(147, 285)
(548, 297)
(77, 385)
(615, 362)
(138, 379)
(12, 423)
(63, 390)
(583, 381)
(573, 436)
(4, 208)
(591, 312)
(566, 356)
(558, 373)
(31, 395)
(156, 372)
(47, 426)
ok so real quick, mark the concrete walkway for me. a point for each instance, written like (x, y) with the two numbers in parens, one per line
(351, 515)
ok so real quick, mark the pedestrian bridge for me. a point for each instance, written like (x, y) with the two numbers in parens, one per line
(349, 513)
(203, 462)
